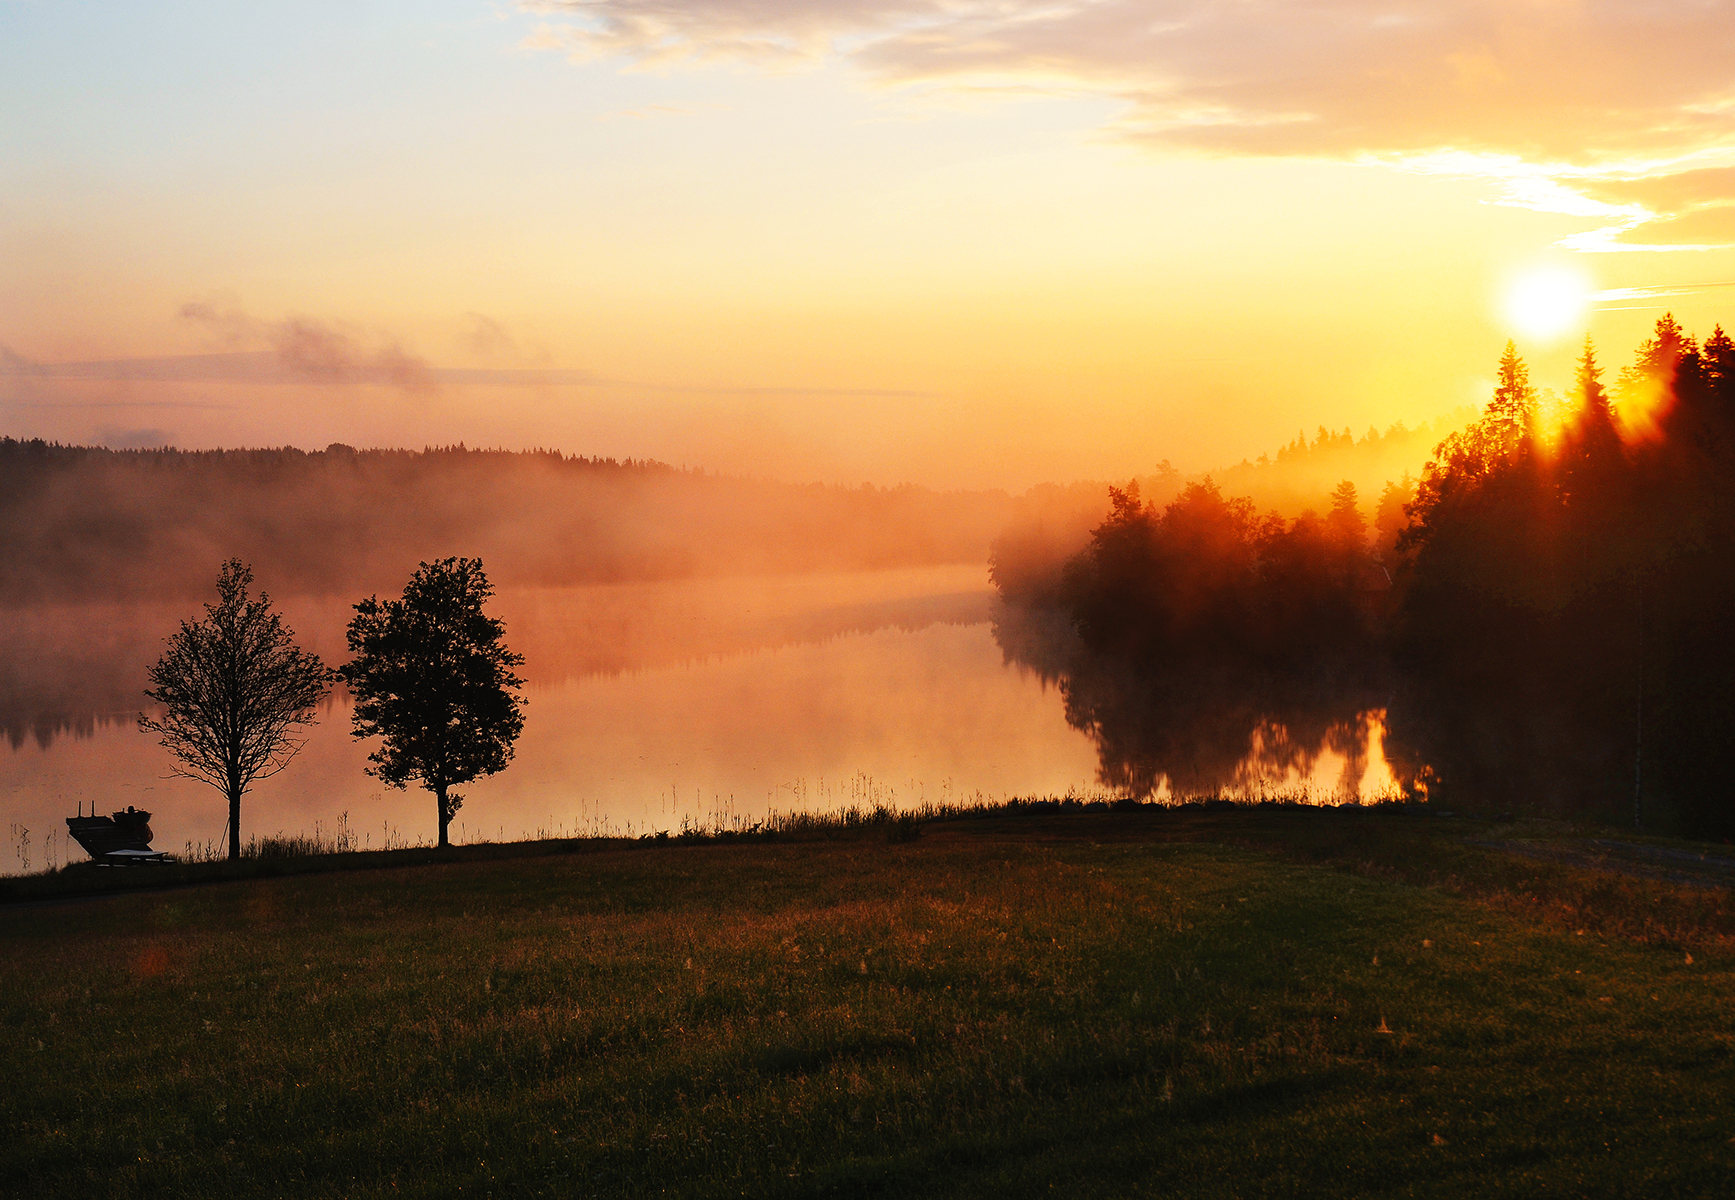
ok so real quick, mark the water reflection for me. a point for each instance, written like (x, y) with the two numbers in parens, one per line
(1212, 730)
(68, 669)
(650, 705)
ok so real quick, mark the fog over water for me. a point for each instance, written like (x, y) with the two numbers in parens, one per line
(650, 705)
(699, 649)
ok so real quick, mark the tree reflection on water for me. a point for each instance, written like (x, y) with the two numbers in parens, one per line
(1207, 729)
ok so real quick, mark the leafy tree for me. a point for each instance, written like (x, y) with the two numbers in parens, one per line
(432, 678)
(232, 687)
(1557, 631)
(1469, 460)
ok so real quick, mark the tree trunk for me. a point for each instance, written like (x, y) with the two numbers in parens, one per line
(234, 824)
(445, 814)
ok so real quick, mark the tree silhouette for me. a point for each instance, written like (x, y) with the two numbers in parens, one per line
(1718, 355)
(1347, 525)
(1546, 616)
(232, 686)
(1593, 422)
(432, 678)
(1511, 413)
(1390, 518)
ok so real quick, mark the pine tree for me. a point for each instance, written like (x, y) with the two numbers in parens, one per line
(1666, 359)
(1511, 414)
(1349, 528)
(1592, 435)
(1718, 357)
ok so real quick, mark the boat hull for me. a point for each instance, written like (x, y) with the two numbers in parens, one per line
(129, 829)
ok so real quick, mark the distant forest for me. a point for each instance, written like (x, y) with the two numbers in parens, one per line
(81, 523)
(1546, 616)
(1052, 522)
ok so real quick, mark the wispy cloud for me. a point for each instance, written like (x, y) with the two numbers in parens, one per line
(1552, 97)
(270, 367)
(317, 351)
(1610, 297)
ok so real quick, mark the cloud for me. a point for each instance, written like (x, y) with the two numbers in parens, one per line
(487, 338)
(777, 33)
(1579, 91)
(304, 363)
(318, 352)
(1667, 193)
(1706, 226)
(1680, 210)
(270, 367)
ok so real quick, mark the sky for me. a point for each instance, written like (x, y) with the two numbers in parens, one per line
(978, 243)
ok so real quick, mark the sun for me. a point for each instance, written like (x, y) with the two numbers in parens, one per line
(1544, 304)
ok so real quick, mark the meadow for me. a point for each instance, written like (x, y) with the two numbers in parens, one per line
(1243, 1003)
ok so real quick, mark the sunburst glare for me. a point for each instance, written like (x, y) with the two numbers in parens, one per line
(1544, 304)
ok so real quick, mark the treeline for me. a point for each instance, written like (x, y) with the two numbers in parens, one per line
(1564, 631)
(81, 523)
(1293, 479)
(1545, 616)
(1052, 522)
(1203, 645)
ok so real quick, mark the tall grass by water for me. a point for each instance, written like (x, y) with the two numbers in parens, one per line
(799, 808)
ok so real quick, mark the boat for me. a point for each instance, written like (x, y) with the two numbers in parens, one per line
(123, 837)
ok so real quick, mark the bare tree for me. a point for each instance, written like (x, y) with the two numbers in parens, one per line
(232, 687)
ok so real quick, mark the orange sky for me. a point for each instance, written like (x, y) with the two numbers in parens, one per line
(954, 242)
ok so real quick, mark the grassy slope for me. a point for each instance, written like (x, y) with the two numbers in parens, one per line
(1098, 1005)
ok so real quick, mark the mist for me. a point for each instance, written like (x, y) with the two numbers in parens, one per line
(1052, 522)
(86, 524)
(1470, 611)
(604, 567)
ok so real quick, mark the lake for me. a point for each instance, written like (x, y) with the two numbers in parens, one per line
(652, 706)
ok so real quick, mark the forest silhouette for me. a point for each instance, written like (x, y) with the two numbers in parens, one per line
(1540, 622)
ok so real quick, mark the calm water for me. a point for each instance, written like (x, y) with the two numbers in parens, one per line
(651, 705)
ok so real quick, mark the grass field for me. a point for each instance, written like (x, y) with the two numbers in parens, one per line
(1238, 1004)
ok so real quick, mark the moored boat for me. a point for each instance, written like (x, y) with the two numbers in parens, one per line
(124, 836)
